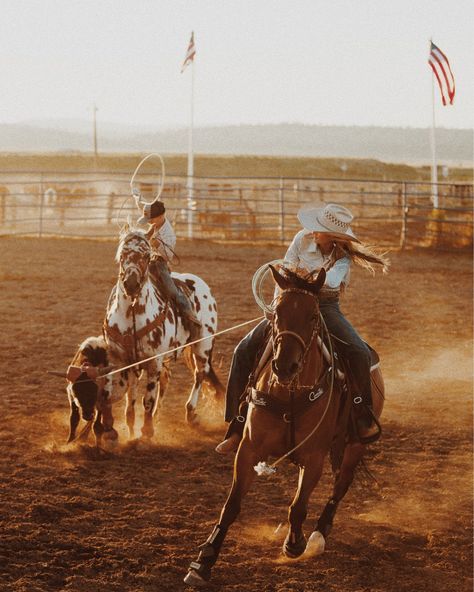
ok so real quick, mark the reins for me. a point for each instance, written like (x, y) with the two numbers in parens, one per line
(262, 468)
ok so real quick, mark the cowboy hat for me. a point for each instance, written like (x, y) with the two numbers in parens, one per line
(150, 210)
(331, 218)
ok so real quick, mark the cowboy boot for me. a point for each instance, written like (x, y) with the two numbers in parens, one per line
(190, 320)
(234, 432)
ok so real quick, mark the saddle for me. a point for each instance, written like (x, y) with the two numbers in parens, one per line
(185, 288)
(347, 410)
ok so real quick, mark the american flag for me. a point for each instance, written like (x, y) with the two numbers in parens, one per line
(190, 53)
(442, 70)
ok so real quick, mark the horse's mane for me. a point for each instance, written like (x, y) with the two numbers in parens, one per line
(298, 277)
(125, 235)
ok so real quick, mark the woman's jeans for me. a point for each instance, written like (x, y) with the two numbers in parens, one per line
(351, 347)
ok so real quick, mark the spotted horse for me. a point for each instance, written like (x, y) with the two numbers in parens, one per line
(141, 324)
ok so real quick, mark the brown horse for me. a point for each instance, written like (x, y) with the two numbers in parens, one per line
(299, 408)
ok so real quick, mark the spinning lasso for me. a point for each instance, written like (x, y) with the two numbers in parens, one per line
(135, 192)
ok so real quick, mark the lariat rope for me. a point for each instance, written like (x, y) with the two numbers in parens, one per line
(170, 351)
(134, 191)
(262, 468)
(162, 174)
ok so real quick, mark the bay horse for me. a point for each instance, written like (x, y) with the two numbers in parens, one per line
(297, 402)
(140, 324)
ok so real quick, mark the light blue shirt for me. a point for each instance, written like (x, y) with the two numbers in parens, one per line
(304, 253)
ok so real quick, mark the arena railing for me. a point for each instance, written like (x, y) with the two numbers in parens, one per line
(256, 209)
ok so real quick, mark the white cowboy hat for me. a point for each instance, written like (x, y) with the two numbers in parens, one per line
(331, 218)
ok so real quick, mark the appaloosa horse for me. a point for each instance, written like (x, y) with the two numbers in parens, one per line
(140, 324)
(298, 405)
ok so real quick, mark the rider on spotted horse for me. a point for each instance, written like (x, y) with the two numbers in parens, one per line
(162, 241)
(328, 241)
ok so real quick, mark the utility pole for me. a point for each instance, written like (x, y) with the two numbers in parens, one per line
(95, 129)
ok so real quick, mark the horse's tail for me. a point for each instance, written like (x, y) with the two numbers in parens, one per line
(213, 380)
(210, 377)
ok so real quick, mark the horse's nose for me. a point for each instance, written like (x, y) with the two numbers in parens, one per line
(285, 373)
(293, 368)
(131, 283)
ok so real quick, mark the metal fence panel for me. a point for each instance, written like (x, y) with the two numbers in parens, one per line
(235, 208)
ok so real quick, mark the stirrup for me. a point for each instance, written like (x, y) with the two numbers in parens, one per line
(374, 437)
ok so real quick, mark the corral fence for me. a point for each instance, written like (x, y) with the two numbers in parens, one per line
(94, 204)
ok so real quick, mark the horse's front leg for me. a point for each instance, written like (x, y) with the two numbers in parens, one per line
(197, 364)
(352, 456)
(244, 473)
(150, 397)
(165, 375)
(131, 379)
(295, 541)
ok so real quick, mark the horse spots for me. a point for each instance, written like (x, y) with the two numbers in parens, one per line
(210, 307)
(209, 328)
(197, 304)
(205, 296)
(190, 283)
(169, 316)
(214, 306)
(150, 386)
(213, 320)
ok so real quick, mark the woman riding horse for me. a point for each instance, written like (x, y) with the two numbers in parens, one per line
(326, 241)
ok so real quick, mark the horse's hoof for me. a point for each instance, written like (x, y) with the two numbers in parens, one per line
(110, 435)
(191, 417)
(194, 579)
(316, 544)
(294, 550)
(147, 432)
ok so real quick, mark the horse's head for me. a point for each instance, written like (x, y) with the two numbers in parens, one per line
(295, 322)
(133, 255)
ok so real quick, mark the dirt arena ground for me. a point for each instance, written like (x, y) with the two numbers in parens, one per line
(77, 519)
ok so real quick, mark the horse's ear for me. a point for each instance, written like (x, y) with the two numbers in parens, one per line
(319, 281)
(125, 229)
(279, 279)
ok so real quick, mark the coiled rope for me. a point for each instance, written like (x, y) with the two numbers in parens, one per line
(258, 280)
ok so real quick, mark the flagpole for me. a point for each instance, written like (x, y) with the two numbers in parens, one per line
(190, 180)
(434, 165)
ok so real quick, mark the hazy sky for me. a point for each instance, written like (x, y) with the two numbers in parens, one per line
(338, 62)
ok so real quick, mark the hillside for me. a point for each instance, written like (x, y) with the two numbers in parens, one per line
(404, 145)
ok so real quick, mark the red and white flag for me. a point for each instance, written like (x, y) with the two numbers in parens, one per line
(190, 53)
(442, 70)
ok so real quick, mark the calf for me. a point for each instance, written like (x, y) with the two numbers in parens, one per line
(84, 385)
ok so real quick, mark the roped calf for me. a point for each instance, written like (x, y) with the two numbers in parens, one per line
(84, 386)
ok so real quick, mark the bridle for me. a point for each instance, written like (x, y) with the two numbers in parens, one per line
(305, 346)
(132, 266)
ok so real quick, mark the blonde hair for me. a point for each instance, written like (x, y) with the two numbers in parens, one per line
(363, 255)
